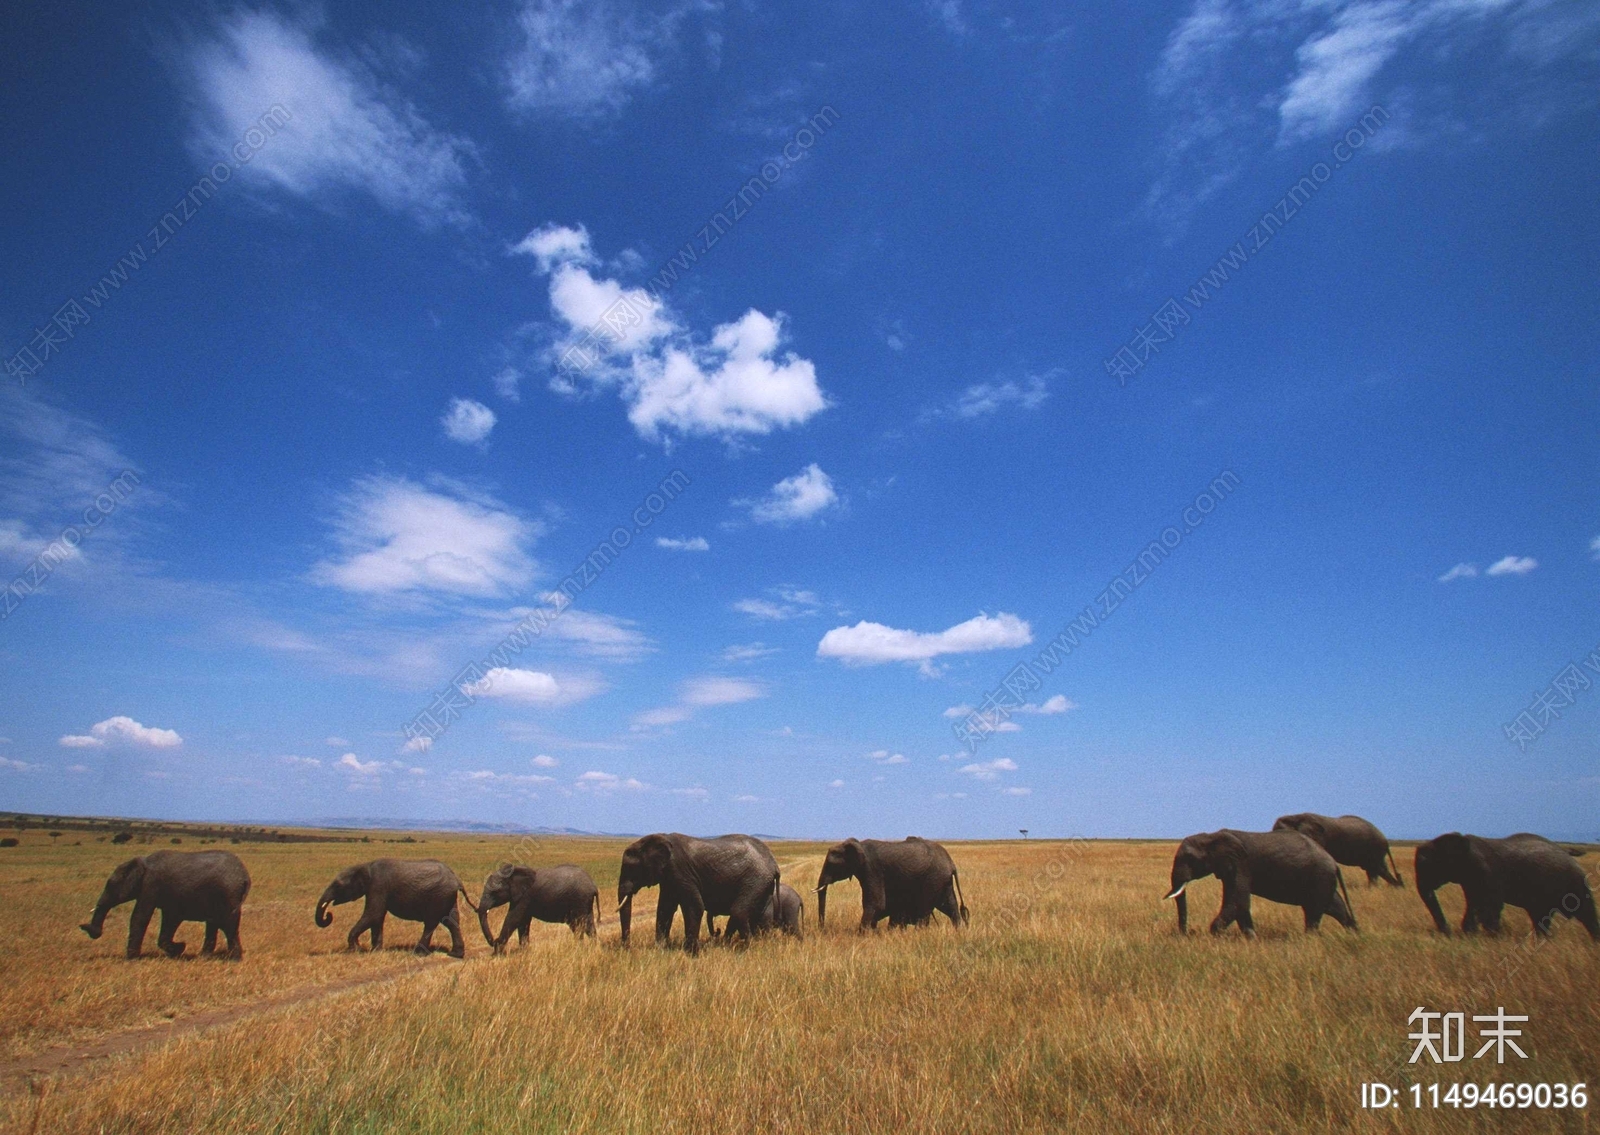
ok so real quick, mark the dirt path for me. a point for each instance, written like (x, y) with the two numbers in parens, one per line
(68, 1061)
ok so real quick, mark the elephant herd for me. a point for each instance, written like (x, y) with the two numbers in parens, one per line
(732, 876)
(1297, 863)
(735, 877)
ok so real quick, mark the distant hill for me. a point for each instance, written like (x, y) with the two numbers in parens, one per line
(396, 823)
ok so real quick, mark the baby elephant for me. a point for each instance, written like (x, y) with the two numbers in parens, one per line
(550, 894)
(421, 890)
(1280, 866)
(185, 886)
(789, 913)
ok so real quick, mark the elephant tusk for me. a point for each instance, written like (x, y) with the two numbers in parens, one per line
(1177, 892)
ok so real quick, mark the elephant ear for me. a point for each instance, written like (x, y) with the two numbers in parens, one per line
(1225, 853)
(855, 854)
(128, 878)
(504, 871)
(657, 853)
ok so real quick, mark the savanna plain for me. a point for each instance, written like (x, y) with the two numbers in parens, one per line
(1068, 1004)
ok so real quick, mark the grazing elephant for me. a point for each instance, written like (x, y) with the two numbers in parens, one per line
(1523, 870)
(1350, 840)
(550, 894)
(788, 915)
(1280, 866)
(733, 875)
(905, 882)
(421, 890)
(185, 886)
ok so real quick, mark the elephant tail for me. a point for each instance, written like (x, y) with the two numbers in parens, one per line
(1395, 867)
(460, 887)
(1349, 909)
(595, 902)
(961, 900)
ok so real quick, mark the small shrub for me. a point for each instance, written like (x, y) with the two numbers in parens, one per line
(9, 841)
(122, 837)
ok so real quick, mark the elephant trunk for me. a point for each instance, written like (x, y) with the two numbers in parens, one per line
(625, 916)
(483, 923)
(323, 916)
(822, 906)
(1180, 881)
(97, 920)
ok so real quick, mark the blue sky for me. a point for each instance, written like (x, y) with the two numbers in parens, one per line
(337, 338)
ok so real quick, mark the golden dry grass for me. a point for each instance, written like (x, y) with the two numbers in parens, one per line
(1067, 1005)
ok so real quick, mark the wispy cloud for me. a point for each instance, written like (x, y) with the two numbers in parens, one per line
(1512, 565)
(394, 535)
(788, 603)
(1460, 571)
(467, 421)
(607, 782)
(986, 398)
(683, 544)
(348, 130)
(700, 693)
(748, 652)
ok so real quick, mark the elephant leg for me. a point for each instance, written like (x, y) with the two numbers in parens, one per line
(363, 924)
(665, 909)
(231, 928)
(425, 943)
(169, 926)
(950, 906)
(1313, 917)
(138, 923)
(691, 926)
(209, 946)
(458, 945)
(1342, 914)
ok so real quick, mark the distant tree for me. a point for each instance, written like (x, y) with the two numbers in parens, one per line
(9, 841)
(175, 839)
(55, 835)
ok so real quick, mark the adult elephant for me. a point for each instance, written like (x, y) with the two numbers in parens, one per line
(1351, 841)
(904, 882)
(1524, 870)
(1280, 866)
(734, 875)
(420, 890)
(550, 894)
(786, 913)
(185, 886)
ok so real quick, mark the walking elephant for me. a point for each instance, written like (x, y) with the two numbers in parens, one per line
(904, 882)
(734, 875)
(1351, 841)
(550, 894)
(787, 914)
(1280, 866)
(1522, 870)
(185, 886)
(420, 890)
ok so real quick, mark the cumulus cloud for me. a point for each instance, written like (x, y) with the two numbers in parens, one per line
(604, 782)
(543, 761)
(1048, 708)
(683, 544)
(800, 497)
(467, 421)
(586, 58)
(394, 536)
(626, 339)
(869, 644)
(1512, 565)
(531, 687)
(885, 757)
(346, 130)
(988, 770)
(361, 768)
(123, 729)
(421, 743)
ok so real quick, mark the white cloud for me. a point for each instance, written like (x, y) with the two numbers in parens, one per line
(121, 728)
(1051, 706)
(510, 779)
(885, 757)
(869, 644)
(543, 761)
(747, 652)
(16, 766)
(700, 693)
(795, 498)
(695, 793)
(948, 13)
(394, 536)
(1512, 565)
(70, 768)
(302, 762)
(1337, 66)
(336, 742)
(988, 770)
(532, 687)
(506, 384)
(586, 58)
(796, 603)
(362, 768)
(1017, 791)
(554, 244)
(467, 421)
(713, 690)
(746, 798)
(347, 131)
(835, 784)
(740, 382)
(1594, 547)
(595, 781)
(689, 544)
(985, 398)
(421, 743)
(1460, 571)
